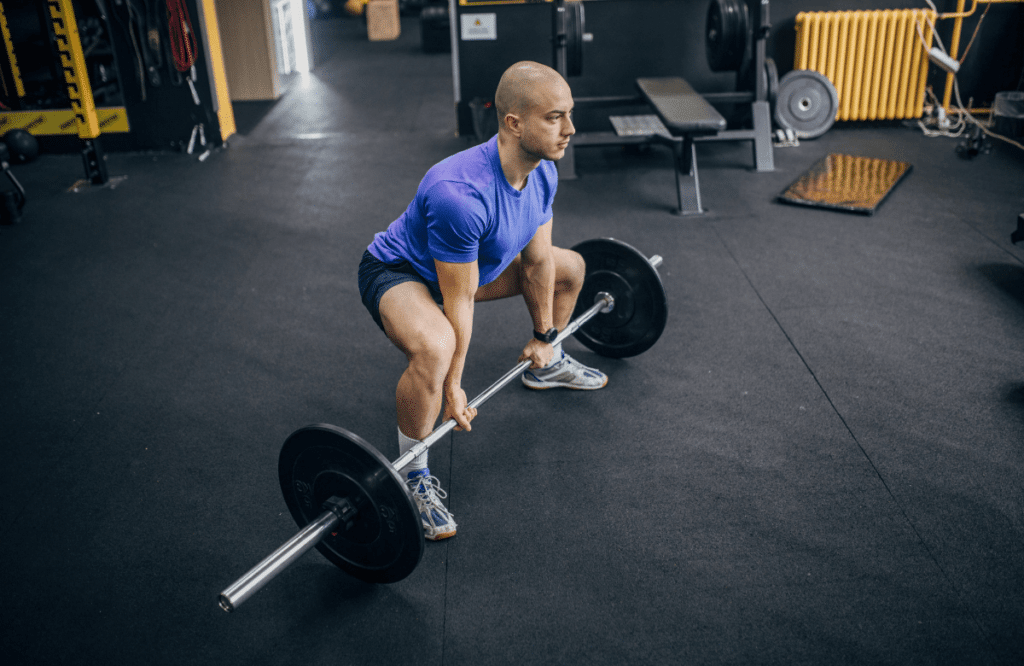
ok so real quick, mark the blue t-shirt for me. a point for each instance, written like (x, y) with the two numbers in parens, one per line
(465, 210)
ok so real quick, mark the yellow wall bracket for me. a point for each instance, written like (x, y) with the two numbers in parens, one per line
(72, 60)
(954, 47)
(19, 85)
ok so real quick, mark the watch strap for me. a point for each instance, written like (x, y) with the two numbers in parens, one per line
(548, 336)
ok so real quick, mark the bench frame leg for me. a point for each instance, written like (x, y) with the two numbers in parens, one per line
(763, 156)
(687, 179)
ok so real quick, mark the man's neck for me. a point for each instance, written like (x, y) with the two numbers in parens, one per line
(516, 166)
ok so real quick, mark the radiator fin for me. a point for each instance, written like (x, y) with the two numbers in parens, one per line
(875, 59)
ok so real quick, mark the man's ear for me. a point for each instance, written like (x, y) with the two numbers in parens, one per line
(514, 124)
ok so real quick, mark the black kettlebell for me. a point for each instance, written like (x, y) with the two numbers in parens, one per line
(22, 146)
(11, 201)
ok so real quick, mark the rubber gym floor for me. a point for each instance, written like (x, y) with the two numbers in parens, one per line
(820, 461)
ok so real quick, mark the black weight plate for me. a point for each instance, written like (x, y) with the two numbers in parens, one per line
(807, 103)
(726, 35)
(575, 26)
(641, 308)
(771, 75)
(385, 542)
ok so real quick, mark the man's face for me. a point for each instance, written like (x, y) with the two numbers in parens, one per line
(548, 123)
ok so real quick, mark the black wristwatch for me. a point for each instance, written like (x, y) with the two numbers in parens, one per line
(548, 337)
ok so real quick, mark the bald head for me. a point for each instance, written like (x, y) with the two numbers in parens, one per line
(522, 86)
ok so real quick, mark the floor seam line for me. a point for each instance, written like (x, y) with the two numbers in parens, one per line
(993, 241)
(447, 556)
(920, 538)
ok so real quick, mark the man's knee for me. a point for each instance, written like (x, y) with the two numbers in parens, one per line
(430, 355)
(572, 270)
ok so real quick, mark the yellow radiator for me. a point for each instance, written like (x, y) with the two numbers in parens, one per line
(875, 59)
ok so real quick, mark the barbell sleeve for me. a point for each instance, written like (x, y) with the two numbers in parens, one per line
(261, 574)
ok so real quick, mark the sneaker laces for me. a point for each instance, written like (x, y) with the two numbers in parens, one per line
(427, 492)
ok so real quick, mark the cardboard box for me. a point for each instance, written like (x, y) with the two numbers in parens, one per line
(382, 22)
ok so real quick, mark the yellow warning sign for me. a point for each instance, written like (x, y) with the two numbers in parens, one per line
(62, 121)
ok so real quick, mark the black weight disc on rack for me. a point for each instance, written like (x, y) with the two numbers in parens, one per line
(726, 35)
(575, 26)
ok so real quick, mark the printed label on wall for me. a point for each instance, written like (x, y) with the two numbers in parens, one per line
(62, 121)
(479, 26)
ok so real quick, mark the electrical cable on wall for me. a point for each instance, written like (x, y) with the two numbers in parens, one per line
(184, 52)
(964, 118)
(141, 68)
(976, 29)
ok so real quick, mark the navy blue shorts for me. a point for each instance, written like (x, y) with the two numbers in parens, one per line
(376, 277)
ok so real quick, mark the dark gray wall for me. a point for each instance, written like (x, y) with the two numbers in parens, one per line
(666, 37)
(994, 63)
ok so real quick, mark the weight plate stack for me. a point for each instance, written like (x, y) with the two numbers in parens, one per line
(575, 26)
(726, 35)
(771, 74)
(807, 103)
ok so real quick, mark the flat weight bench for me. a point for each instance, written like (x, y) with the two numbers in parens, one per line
(686, 115)
(684, 118)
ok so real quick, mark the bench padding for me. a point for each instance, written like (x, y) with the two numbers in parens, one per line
(680, 107)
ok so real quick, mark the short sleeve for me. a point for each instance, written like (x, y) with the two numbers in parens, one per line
(456, 218)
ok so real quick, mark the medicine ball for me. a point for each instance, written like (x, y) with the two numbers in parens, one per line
(23, 146)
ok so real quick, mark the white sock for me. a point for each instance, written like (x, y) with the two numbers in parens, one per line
(556, 357)
(418, 463)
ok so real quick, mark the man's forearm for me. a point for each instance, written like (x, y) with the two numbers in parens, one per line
(460, 315)
(539, 292)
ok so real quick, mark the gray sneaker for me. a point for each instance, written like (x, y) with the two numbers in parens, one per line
(438, 522)
(566, 373)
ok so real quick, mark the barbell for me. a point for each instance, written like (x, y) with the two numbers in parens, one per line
(351, 503)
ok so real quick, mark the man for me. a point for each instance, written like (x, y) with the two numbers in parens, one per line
(479, 229)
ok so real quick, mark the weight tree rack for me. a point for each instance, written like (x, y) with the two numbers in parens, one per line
(60, 53)
(60, 29)
(740, 47)
(743, 30)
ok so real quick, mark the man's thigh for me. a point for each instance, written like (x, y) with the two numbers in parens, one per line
(510, 282)
(412, 319)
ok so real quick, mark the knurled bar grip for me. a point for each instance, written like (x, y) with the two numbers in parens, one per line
(276, 562)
